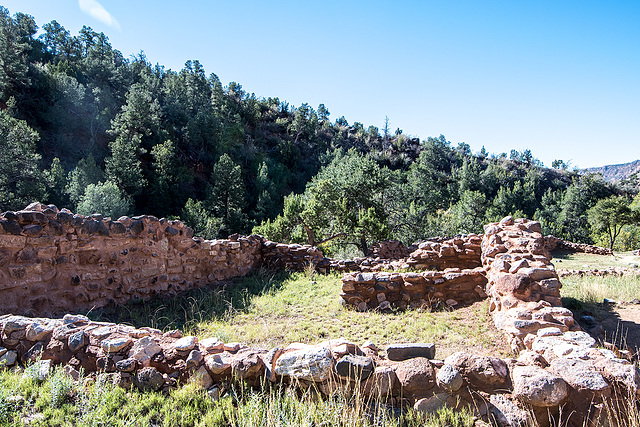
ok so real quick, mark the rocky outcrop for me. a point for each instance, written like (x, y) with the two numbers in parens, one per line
(367, 291)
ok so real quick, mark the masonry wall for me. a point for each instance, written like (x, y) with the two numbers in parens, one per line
(54, 261)
(383, 290)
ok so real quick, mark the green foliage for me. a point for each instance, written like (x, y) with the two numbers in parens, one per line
(124, 167)
(164, 137)
(227, 195)
(86, 172)
(21, 181)
(56, 179)
(609, 216)
(468, 214)
(104, 198)
(196, 216)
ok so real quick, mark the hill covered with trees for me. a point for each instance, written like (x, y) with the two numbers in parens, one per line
(85, 128)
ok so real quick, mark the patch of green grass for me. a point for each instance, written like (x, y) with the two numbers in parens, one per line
(593, 289)
(267, 310)
(582, 261)
(100, 403)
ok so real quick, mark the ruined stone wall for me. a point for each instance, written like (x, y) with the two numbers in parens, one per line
(522, 283)
(556, 244)
(54, 261)
(460, 252)
(368, 291)
(544, 386)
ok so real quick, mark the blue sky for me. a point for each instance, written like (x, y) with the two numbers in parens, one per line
(561, 78)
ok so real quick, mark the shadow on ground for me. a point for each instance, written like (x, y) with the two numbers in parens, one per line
(185, 310)
(620, 322)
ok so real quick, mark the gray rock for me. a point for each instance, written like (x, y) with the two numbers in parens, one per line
(310, 363)
(39, 371)
(484, 373)
(148, 379)
(202, 378)
(537, 387)
(449, 377)
(549, 332)
(218, 363)
(506, 413)
(15, 323)
(355, 367)
(8, 358)
(127, 365)
(185, 343)
(194, 359)
(144, 349)
(37, 331)
(399, 352)
(580, 374)
(75, 319)
(76, 341)
(212, 345)
(115, 345)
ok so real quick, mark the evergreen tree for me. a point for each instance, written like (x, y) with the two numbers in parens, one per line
(21, 181)
(227, 195)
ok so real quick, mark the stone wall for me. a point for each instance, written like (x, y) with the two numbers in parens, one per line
(54, 261)
(383, 290)
(522, 283)
(538, 388)
(459, 252)
(555, 244)
(57, 259)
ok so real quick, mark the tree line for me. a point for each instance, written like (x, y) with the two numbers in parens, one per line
(83, 127)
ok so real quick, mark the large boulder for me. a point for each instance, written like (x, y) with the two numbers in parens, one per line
(312, 363)
(481, 372)
(537, 387)
(416, 376)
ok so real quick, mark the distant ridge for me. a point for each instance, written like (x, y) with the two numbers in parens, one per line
(615, 173)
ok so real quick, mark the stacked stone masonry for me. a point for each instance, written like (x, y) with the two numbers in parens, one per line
(52, 261)
(555, 244)
(545, 382)
(383, 290)
(460, 252)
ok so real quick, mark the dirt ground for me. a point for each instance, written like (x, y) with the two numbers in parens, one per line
(621, 323)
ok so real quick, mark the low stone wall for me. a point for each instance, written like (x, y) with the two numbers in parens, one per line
(389, 249)
(460, 252)
(52, 261)
(368, 291)
(291, 257)
(540, 386)
(555, 244)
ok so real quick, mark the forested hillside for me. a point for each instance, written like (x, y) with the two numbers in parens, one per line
(85, 128)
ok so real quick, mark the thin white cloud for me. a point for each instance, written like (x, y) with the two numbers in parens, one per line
(95, 10)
